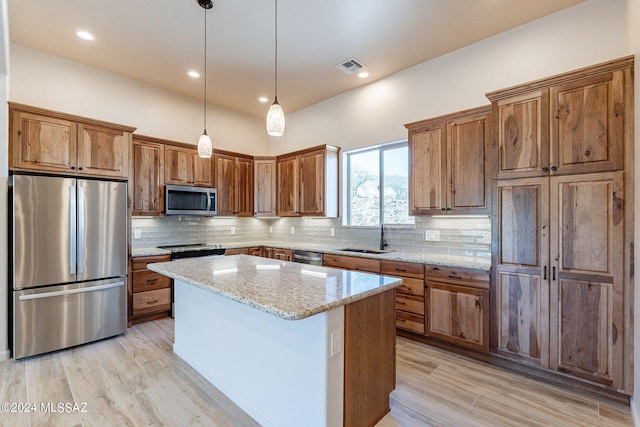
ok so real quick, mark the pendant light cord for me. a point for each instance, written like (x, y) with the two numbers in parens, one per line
(276, 61)
(205, 71)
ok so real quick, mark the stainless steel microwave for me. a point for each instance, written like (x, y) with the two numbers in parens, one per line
(185, 200)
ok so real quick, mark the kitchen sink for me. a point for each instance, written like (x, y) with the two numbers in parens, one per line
(363, 251)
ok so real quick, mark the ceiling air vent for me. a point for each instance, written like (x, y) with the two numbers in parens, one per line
(350, 65)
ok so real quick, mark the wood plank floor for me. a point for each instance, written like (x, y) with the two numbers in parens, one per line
(136, 380)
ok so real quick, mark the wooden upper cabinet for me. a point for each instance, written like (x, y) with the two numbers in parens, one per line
(182, 166)
(287, 186)
(48, 141)
(146, 178)
(307, 182)
(577, 122)
(264, 187)
(449, 169)
(234, 183)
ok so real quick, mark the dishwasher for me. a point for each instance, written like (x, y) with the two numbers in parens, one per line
(306, 257)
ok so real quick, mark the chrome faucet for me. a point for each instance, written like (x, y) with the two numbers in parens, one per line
(383, 243)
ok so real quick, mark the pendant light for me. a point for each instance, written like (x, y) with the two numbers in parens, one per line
(205, 148)
(275, 116)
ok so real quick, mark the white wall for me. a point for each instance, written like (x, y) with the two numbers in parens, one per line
(58, 84)
(633, 47)
(583, 35)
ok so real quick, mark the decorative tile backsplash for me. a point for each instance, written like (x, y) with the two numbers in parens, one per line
(454, 235)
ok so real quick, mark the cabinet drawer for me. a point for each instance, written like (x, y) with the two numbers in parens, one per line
(411, 304)
(140, 263)
(147, 280)
(352, 263)
(411, 287)
(410, 322)
(458, 276)
(239, 251)
(152, 301)
(404, 269)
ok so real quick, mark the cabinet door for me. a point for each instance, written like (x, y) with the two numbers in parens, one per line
(587, 316)
(178, 165)
(202, 174)
(244, 187)
(282, 254)
(458, 314)
(427, 161)
(522, 269)
(225, 183)
(311, 184)
(146, 178)
(42, 143)
(265, 188)
(523, 135)
(103, 151)
(587, 124)
(466, 174)
(287, 174)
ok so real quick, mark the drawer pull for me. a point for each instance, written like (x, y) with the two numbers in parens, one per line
(152, 302)
(152, 280)
(400, 320)
(401, 303)
(455, 277)
(401, 269)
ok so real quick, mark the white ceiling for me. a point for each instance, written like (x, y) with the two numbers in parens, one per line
(157, 41)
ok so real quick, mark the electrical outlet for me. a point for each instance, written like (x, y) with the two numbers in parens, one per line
(486, 237)
(293, 230)
(137, 233)
(233, 230)
(271, 229)
(332, 232)
(336, 342)
(432, 235)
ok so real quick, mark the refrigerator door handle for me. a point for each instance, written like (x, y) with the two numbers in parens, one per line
(70, 291)
(81, 230)
(72, 229)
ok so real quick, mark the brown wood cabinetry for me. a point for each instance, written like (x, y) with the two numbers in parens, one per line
(146, 177)
(255, 251)
(559, 278)
(281, 254)
(352, 263)
(52, 142)
(237, 251)
(183, 166)
(449, 167)
(307, 182)
(149, 292)
(410, 296)
(234, 182)
(567, 124)
(458, 306)
(264, 204)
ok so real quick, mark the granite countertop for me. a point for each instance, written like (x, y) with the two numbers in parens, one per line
(444, 260)
(289, 290)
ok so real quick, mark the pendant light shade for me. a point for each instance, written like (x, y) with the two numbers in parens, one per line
(205, 147)
(275, 116)
(275, 119)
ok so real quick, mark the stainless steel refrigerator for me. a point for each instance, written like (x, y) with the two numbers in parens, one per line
(68, 261)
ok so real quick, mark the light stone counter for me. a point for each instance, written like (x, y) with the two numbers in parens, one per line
(288, 290)
(149, 252)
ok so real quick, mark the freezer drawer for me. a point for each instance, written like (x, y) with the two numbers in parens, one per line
(57, 317)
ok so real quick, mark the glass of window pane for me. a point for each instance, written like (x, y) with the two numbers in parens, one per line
(396, 186)
(364, 187)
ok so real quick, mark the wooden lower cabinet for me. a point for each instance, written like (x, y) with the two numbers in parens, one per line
(150, 292)
(281, 254)
(237, 251)
(352, 263)
(410, 296)
(255, 251)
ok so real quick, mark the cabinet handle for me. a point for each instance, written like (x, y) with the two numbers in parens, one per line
(455, 277)
(448, 209)
(442, 209)
(80, 168)
(401, 303)
(400, 320)
(73, 167)
(545, 169)
(554, 168)
(152, 280)
(553, 273)
(544, 274)
(152, 302)
(401, 269)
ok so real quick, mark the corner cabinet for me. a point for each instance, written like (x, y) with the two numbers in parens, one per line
(264, 189)
(307, 182)
(183, 166)
(234, 182)
(146, 178)
(53, 142)
(449, 169)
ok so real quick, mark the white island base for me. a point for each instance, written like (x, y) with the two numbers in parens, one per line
(334, 368)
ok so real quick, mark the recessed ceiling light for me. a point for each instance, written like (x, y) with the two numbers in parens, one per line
(263, 99)
(84, 35)
(194, 74)
(363, 75)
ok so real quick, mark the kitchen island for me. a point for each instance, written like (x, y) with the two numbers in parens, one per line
(291, 344)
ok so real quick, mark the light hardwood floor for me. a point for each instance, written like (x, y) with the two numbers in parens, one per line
(136, 380)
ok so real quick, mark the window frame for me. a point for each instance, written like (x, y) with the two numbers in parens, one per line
(381, 148)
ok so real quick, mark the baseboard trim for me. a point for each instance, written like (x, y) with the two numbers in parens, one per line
(634, 411)
(4, 355)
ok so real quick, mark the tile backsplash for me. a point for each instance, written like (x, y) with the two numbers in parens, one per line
(453, 235)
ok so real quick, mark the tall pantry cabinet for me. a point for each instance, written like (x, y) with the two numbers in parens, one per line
(563, 221)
